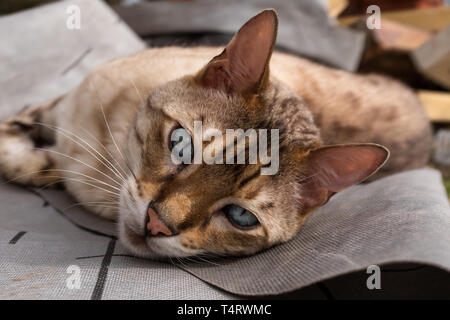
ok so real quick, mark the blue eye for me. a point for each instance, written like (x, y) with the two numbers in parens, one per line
(240, 217)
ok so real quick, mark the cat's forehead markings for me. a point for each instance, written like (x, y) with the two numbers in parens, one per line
(184, 119)
(250, 177)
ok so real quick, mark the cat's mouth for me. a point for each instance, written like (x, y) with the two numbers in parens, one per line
(141, 244)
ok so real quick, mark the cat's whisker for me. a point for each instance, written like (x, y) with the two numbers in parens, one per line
(45, 186)
(63, 179)
(63, 132)
(131, 171)
(115, 143)
(137, 91)
(79, 161)
(104, 204)
(123, 172)
(22, 176)
(86, 176)
(58, 181)
(181, 262)
(93, 185)
(113, 203)
(191, 260)
(206, 260)
(171, 261)
(110, 133)
(96, 203)
(112, 137)
(212, 255)
(87, 182)
(218, 257)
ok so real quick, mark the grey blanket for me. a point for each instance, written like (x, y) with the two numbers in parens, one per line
(45, 241)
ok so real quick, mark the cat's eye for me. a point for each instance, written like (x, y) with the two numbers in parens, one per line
(181, 146)
(240, 217)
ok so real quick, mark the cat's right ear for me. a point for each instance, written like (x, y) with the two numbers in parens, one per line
(243, 66)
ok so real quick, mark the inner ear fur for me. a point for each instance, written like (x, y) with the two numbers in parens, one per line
(330, 169)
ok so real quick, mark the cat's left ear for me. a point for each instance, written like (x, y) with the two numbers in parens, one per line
(331, 169)
(243, 66)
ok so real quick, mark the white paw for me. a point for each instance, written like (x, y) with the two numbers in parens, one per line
(19, 160)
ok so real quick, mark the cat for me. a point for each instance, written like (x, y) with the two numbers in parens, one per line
(109, 141)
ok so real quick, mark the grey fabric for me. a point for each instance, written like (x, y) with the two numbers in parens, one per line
(303, 29)
(135, 278)
(48, 59)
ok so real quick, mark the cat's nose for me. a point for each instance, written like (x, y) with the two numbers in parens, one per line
(155, 225)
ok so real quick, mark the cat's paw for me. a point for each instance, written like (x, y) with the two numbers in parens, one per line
(22, 160)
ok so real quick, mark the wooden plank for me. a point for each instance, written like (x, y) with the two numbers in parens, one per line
(432, 59)
(360, 6)
(336, 7)
(397, 36)
(434, 19)
(388, 52)
(437, 104)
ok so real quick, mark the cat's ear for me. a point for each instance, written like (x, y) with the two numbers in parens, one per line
(243, 66)
(330, 169)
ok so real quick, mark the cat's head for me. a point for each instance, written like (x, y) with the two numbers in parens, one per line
(171, 209)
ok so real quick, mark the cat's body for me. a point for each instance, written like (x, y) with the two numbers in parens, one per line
(92, 124)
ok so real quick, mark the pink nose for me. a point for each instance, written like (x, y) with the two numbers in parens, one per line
(155, 225)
